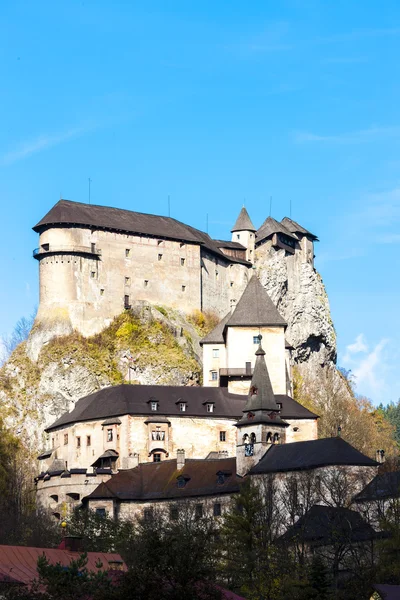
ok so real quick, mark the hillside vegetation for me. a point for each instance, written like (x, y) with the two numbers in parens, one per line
(147, 345)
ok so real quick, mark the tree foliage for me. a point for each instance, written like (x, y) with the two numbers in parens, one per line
(330, 394)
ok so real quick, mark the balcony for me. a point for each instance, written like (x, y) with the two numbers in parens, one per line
(47, 249)
(241, 372)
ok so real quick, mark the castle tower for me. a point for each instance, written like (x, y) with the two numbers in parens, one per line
(261, 424)
(243, 232)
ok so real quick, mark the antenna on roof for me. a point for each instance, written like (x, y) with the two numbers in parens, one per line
(270, 205)
(169, 206)
(290, 208)
(207, 223)
(90, 181)
(244, 202)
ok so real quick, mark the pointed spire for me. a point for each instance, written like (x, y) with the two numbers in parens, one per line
(243, 222)
(261, 395)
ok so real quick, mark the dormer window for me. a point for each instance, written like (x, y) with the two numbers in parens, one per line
(182, 406)
(154, 405)
(253, 391)
(210, 407)
(182, 480)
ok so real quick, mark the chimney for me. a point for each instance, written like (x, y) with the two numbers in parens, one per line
(73, 543)
(248, 368)
(180, 459)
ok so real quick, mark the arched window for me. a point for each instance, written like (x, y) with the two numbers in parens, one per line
(252, 438)
(276, 438)
(269, 438)
(245, 438)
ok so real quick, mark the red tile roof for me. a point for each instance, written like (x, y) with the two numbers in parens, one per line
(18, 564)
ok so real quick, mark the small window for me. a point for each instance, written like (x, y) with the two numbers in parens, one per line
(93, 247)
(238, 236)
(157, 457)
(222, 436)
(199, 511)
(52, 442)
(231, 283)
(217, 509)
(182, 245)
(88, 440)
(160, 257)
(220, 478)
(214, 376)
(182, 406)
(127, 304)
(256, 339)
(101, 512)
(65, 439)
(210, 407)
(182, 262)
(93, 274)
(184, 288)
(154, 405)
(215, 352)
(101, 291)
(216, 274)
(158, 435)
(127, 281)
(78, 441)
(181, 482)
(146, 282)
(295, 429)
(110, 435)
(127, 252)
(159, 242)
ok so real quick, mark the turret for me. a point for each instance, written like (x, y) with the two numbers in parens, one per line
(243, 232)
(261, 424)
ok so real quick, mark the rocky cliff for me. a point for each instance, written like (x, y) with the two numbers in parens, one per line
(148, 345)
(300, 296)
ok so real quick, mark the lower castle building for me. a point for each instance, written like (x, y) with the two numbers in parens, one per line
(126, 448)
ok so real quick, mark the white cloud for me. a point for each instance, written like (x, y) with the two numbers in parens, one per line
(358, 346)
(361, 136)
(369, 366)
(40, 143)
(369, 371)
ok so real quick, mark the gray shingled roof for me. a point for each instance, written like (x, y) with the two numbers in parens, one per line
(311, 455)
(232, 245)
(216, 336)
(330, 524)
(135, 400)
(128, 399)
(255, 308)
(261, 395)
(271, 226)
(384, 485)
(68, 212)
(243, 222)
(294, 227)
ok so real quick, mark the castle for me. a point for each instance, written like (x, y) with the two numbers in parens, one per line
(96, 261)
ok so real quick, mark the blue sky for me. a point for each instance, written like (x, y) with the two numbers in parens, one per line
(211, 103)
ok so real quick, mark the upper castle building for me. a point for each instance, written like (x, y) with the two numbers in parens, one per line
(94, 261)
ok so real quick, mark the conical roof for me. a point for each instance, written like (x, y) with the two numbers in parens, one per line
(243, 222)
(261, 395)
(255, 308)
